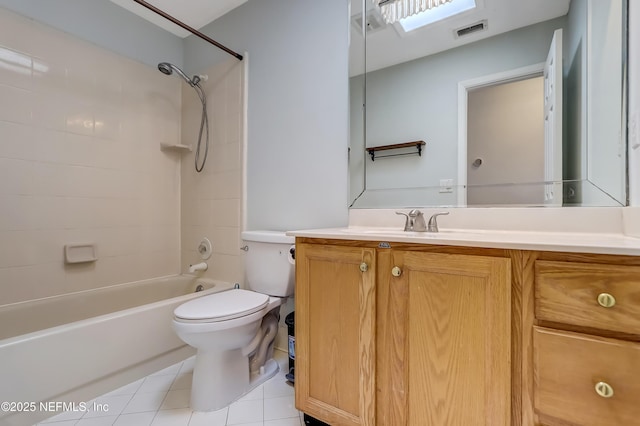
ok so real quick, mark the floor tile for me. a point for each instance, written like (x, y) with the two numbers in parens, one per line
(211, 418)
(278, 387)
(107, 406)
(169, 371)
(178, 417)
(135, 419)
(97, 421)
(142, 402)
(245, 412)
(182, 381)
(256, 393)
(279, 408)
(176, 399)
(129, 389)
(156, 384)
(293, 421)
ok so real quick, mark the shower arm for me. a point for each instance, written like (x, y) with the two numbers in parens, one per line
(188, 28)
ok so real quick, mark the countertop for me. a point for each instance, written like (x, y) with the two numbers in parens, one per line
(575, 242)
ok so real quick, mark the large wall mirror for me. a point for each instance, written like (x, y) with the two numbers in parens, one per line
(505, 103)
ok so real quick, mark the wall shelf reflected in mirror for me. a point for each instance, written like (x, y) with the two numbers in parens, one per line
(416, 145)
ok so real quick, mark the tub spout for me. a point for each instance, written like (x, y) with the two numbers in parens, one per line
(202, 266)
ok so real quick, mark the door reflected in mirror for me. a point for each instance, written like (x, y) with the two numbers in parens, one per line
(519, 103)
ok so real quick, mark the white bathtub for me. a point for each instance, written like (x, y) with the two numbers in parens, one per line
(75, 347)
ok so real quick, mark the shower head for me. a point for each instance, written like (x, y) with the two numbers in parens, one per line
(168, 69)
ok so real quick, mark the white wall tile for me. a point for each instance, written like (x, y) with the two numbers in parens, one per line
(16, 104)
(80, 162)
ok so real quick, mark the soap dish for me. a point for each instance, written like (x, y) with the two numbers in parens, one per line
(80, 253)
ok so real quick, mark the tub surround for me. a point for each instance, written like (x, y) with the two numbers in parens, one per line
(607, 230)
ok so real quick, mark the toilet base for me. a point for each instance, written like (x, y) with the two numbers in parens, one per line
(220, 378)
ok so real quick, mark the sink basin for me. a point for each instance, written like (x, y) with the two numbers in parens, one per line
(400, 232)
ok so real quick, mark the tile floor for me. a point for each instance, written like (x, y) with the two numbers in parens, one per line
(162, 399)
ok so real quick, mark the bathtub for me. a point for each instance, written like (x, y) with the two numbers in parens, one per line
(74, 347)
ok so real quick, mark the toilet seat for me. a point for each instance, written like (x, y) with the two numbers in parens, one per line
(221, 306)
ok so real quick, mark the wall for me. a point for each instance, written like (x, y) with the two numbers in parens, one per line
(606, 156)
(574, 147)
(106, 25)
(505, 127)
(417, 100)
(297, 107)
(80, 162)
(212, 200)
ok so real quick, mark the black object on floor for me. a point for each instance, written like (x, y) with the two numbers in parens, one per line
(290, 321)
(311, 421)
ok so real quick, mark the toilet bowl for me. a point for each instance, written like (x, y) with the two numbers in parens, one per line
(234, 331)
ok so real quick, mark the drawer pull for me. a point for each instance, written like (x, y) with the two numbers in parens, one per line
(604, 389)
(364, 267)
(396, 272)
(606, 300)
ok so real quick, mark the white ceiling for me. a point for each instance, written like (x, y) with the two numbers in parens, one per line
(195, 13)
(387, 47)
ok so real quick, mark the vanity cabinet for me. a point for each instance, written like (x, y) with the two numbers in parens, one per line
(585, 340)
(402, 336)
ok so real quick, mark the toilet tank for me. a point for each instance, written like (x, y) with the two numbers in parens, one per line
(269, 264)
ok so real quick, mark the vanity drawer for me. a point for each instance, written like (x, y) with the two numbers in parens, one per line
(579, 293)
(569, 366)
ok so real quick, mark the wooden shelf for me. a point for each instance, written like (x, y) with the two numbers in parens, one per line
(416, 144)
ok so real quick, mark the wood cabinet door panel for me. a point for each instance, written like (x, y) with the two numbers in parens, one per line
(455, 332)
(335, 321)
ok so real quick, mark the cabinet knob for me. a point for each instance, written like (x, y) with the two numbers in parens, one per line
(606, 300)
(364, 267)
(604, 389)
(396, 272)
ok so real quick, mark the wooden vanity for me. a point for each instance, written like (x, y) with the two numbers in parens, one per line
(396, 333)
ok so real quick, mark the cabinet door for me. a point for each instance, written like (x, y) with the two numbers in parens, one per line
(335, 322)
(444, 340)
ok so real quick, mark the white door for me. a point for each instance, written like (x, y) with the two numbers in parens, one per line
(553, 122)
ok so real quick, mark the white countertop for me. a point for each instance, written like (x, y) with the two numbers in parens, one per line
(590, 230)
(521, 240)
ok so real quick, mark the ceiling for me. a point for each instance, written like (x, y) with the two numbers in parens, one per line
(195, 13)
(389, 46)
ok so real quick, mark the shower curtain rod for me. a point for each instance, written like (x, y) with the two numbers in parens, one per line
(188, 28)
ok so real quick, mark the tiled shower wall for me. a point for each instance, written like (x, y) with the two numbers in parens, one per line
(212, 200)
(80, 161)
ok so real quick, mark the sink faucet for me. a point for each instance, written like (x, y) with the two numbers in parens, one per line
(414, 221)
(433, 223)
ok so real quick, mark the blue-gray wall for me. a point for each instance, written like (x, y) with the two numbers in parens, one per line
(105, 24)
(298, 107)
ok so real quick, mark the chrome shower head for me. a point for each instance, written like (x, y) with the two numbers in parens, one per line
(168, 69)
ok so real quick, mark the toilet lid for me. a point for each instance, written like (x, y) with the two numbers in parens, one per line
(222, 306)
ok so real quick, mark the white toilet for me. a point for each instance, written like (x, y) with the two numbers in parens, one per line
(233, 331)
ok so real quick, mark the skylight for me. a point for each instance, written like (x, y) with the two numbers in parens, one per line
(436, 14)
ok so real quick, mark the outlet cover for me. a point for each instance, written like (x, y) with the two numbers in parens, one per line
(446, 186)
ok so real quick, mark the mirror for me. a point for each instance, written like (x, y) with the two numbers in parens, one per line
(517, 103)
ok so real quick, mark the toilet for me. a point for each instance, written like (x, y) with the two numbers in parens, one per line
(234, 331)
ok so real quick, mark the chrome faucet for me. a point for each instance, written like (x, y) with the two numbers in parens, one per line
(414, 221)
(433, 223)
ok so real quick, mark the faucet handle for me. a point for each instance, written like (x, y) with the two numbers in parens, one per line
(406, 222)
(433, 223)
